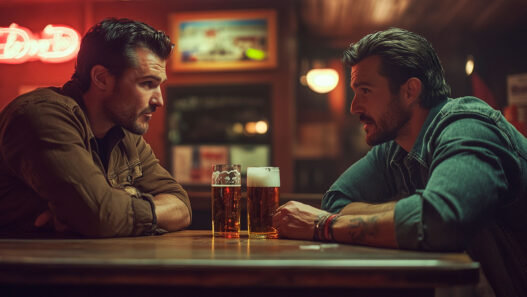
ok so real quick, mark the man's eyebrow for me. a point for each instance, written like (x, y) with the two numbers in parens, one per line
(361, 84)
(157, 78)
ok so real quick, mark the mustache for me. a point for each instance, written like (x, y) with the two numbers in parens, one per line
(150, 109)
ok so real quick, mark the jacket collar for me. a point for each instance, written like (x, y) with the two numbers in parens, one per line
(72, 89)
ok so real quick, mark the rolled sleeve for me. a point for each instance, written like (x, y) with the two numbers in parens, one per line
(145, 215)
(156, 179)
(408, 222)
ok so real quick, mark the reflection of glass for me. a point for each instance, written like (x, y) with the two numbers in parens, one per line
(226, 196)
(263, 195)
(212, 248)
(222, 248)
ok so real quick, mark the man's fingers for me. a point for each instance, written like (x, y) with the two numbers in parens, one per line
(59, 227)
(47, 216)
(43, 218)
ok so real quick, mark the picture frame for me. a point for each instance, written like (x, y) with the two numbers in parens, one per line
(224, 40)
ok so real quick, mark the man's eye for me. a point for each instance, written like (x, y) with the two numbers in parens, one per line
(365, 91)
(147, 84)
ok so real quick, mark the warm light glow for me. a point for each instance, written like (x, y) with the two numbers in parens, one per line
(250, 128)
(261, 127)
(322, 80)
(384, 10)
(57, 44)
(469, 66)
(303, 80)
(237, 128)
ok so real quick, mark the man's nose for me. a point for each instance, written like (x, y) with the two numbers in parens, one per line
(157, 99)
(355, 105)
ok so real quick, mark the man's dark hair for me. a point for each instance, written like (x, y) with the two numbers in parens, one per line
(111, 43)
(403, 54)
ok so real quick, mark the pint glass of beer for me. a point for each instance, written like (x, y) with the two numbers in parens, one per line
(263, 195)
(226, 196)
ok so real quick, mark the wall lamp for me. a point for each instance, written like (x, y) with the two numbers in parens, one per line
(322, 80)
(319, 78)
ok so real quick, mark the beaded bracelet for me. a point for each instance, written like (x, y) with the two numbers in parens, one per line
(318, 233)
(323, 230)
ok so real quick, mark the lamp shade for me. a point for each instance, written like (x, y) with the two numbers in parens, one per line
(322, 80)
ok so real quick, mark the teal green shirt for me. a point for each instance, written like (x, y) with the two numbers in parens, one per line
(465, 175)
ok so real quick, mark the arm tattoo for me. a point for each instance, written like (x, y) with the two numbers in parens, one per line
(360, 228)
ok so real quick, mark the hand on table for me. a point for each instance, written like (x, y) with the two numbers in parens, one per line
(47, 217)
(296, 220)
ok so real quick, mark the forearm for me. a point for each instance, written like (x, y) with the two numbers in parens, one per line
(375, 229)
(172, 214)
(362, 208)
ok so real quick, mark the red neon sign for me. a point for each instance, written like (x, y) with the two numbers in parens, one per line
(56, 44)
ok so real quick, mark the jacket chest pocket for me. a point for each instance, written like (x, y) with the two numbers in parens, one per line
(126, 175)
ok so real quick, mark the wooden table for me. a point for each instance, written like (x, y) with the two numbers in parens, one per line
(194, 263)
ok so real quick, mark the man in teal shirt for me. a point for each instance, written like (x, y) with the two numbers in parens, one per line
(443, 174)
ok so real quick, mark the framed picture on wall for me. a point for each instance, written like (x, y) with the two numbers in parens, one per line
(224, 40)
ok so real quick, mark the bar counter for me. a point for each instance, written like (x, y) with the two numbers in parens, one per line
(194, 263)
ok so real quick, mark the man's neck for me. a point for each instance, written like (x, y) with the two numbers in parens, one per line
(94, 109)
(409, 133)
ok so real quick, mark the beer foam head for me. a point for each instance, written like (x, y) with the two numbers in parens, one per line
(263, 177)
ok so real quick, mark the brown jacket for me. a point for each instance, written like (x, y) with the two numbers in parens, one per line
(49, 159)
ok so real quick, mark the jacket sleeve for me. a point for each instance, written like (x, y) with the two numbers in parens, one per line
(156, 179)
(470, 177)
(45, 144)
(365, 181)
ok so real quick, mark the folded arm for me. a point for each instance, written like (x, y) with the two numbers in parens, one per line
(46, 146)
(172, 205)
(367, 224)
(172, 213)
(358, 224)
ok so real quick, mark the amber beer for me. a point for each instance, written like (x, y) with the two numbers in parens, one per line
(226, 196)
(226, 211)
(263, 195)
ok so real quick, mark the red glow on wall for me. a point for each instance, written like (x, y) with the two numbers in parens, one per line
(56, 44)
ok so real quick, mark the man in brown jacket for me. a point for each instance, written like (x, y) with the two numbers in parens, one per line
(72, 159)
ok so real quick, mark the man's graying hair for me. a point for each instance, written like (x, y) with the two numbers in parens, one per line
(403, 54)
(111, 43)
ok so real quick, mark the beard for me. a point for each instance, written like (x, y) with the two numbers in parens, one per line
(123, 114)
(132, 122)
(389, 124)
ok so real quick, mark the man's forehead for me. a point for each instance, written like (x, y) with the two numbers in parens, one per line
(149, 64)
(366, 68)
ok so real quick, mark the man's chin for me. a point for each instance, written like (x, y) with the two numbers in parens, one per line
(138, 129)
(372, 140)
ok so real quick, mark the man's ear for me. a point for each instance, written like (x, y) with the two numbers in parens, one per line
(411, 90)
(101, 78)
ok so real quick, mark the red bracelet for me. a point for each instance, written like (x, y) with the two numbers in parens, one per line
(327, 225)
(332, 237)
